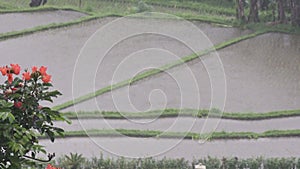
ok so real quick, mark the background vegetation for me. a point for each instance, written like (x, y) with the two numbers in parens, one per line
(76, 161)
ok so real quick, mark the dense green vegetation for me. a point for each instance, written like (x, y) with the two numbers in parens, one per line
(76, 161)
(22, 118)
(223, 11)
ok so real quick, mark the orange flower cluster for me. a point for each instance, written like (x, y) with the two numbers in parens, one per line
(9, 71)
(15, 69)
(49, 166)
(42, 71)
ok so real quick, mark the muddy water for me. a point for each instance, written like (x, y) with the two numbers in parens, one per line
(19, 21)
(189, 149)
(58, 49)
(184, 124)
(262, 74)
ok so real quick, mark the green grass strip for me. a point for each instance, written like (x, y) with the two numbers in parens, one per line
(169, 113)
(198, 7)
(185, 135)
(155, 71)
(38, 9)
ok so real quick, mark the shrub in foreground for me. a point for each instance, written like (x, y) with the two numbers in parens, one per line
(22, 117)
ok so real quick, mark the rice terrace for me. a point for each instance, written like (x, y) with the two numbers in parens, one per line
(150, 84)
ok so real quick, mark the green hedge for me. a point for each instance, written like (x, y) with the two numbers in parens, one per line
(76, 161)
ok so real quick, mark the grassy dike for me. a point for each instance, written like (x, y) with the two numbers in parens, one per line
(170, 113)
(40, 9)
(184, 135)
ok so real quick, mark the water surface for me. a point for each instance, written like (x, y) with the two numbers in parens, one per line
(188, 149)
(18, 21)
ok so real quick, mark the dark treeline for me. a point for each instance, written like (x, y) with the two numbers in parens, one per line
(279, 11)
(283, 11)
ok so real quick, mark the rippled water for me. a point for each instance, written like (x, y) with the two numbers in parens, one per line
(58, 49)
(188, 149)
(19, 21)
(262, 74)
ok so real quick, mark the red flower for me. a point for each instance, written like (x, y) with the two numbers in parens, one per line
(40, 107)
(43, 70)
(26, 76)
(16, 68)
(17, 104)
(49, 166)
(34, 69)
(46, 78)
(10, 77)
(3, 70)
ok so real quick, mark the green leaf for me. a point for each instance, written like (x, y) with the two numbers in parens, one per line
(6, 104)
(47, 84)
(5, 110)
(11, 117)
(50, 135)
(7, 115)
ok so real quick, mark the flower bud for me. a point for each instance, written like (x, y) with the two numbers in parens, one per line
(8, 91)
(18, 104)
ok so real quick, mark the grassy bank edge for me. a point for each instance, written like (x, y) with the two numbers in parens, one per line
(169, 113)
(181, 135)
(43, 8)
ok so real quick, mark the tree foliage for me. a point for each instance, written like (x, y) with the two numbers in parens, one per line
(22, 117)
(283, 11)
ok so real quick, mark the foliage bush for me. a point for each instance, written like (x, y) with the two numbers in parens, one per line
(71, 162)
(22, 118)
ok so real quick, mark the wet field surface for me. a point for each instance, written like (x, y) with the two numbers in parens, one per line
(184, 124)
(18, 21)
(58, 49)
(262, 74)
(172, 148)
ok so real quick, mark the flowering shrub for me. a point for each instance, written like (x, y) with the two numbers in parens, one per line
(22, 119)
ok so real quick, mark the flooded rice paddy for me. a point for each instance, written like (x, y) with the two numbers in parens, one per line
(19, 21)
(262, 74)
(59, 49)
(188, 149)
